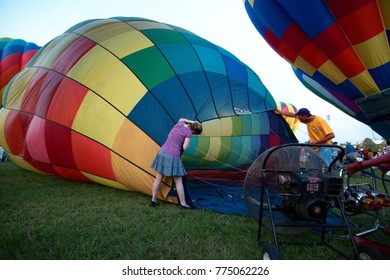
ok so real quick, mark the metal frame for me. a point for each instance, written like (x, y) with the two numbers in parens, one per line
(323, 225)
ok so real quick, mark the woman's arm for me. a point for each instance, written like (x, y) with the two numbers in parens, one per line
(186, 120)
(186, 143)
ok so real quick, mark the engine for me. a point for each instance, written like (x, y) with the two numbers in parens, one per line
(309, 194)
(358, 199)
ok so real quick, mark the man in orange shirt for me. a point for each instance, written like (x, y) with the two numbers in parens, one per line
(318, 129)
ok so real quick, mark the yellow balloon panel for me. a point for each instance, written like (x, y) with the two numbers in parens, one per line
(116, 82)
(292, 122)
(90, 121)
(106, 30)
(19, 86)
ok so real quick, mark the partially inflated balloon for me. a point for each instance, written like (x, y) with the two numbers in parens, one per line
(287, 107)
(98, 101)
(339, 50)
(14, 55)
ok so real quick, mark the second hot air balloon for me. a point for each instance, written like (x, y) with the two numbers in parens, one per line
(339, 50)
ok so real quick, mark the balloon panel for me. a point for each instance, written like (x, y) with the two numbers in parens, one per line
(340, 45)
(287, 107)
(233, 143)
(97, 102)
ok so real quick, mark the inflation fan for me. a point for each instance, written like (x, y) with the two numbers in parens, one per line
(289, 189)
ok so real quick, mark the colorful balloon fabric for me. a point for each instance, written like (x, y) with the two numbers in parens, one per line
(14, 55)
(97, 102)
(339, 50)
(233, 143)
(287, 107)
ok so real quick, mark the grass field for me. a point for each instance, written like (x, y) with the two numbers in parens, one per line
(48, 218)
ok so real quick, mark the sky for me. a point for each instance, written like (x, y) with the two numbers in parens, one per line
(222, 22)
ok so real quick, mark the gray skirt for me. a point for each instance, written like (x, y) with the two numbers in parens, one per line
(168, 165)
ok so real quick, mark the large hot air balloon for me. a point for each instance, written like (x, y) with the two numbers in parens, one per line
(287, 107)
(338, 49)
(14, 55)
(97, 102)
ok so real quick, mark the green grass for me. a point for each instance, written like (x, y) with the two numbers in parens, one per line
(47, 218)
